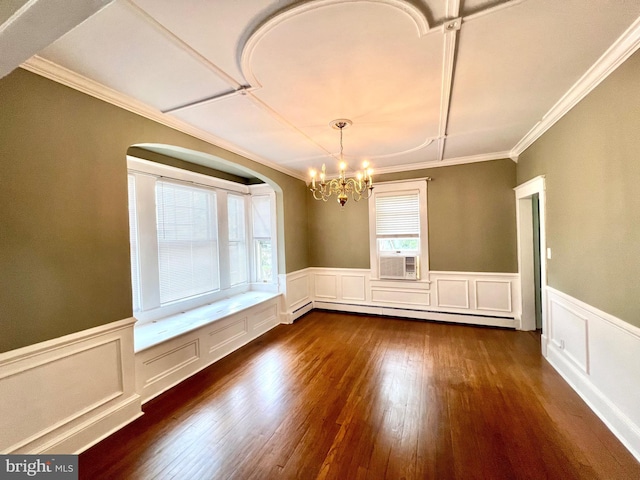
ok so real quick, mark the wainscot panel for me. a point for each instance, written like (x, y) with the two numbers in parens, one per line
(597, 354)
(66, 394)
(467, 297)
(169, 362)
(297, 295)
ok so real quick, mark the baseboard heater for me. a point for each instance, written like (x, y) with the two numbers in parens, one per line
(434, 315)
(303, 306)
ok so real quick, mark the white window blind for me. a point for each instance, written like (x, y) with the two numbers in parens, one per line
(261, 216)
(398, 215)
(187, 241)
(133, 236)
(237, 240)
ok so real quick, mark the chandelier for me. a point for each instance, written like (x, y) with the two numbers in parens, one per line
(359, 187)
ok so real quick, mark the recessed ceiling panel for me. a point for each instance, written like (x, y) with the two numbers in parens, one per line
(370, 62)
(243, 122)
(215, 29)
(384, 64)
(515, 63)
(120, 50)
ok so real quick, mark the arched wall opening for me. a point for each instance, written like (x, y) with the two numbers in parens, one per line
(214, 166)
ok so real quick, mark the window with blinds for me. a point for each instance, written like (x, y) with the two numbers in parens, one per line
(237, 239)
(187, 241)
(191, 238)
(397, 220)
(399, 233)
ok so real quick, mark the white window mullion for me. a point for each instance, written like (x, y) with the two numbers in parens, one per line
(223, 239)
(148, 242)
(134, 243)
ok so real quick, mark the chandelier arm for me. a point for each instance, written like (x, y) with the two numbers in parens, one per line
(342, 186)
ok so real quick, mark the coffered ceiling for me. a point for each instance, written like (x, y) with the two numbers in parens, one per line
(425, 83)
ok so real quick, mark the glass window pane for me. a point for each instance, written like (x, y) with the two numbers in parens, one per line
(398, 244)
(264, 260)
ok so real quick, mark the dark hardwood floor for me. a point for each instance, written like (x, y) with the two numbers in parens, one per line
(339, 396)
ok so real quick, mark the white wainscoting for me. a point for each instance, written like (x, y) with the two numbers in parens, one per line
(66, 394)
(297, 294)
(167, 363)
(598, 354)
(474, 298)
(478, 293)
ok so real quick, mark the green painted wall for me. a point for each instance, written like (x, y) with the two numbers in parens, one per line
(591, 162)
(64, 247)
(472, 222)
(338, 237)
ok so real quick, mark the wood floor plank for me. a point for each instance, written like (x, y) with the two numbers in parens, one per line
(339, 396)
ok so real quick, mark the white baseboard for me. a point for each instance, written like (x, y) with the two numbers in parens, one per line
(64, 395)
(597, 354)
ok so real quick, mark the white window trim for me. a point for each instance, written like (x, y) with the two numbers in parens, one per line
(146, 173)
(398, 187)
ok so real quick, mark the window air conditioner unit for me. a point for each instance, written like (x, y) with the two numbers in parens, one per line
(398, 267)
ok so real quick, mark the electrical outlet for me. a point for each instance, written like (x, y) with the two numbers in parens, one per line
(548, 253)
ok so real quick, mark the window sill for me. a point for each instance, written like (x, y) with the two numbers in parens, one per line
(151, 333)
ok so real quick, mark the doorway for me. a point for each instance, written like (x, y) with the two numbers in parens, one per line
(530, 217)
(537, 259)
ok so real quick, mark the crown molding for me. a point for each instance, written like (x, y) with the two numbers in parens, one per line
(615, 55)
(484, 157)
(64, 76)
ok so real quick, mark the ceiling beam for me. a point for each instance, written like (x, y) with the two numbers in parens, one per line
(450, 29)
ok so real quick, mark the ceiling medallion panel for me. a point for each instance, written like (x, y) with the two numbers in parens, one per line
(368, 60)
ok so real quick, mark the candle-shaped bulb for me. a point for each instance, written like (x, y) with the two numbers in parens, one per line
(365, 165)
(313, 178)
(343, 166)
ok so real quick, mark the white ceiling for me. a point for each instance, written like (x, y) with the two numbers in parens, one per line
(424, 82)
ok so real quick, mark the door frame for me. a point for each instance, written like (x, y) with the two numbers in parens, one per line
(524, 223)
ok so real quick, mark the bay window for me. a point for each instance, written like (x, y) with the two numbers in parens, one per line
(189, 239)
